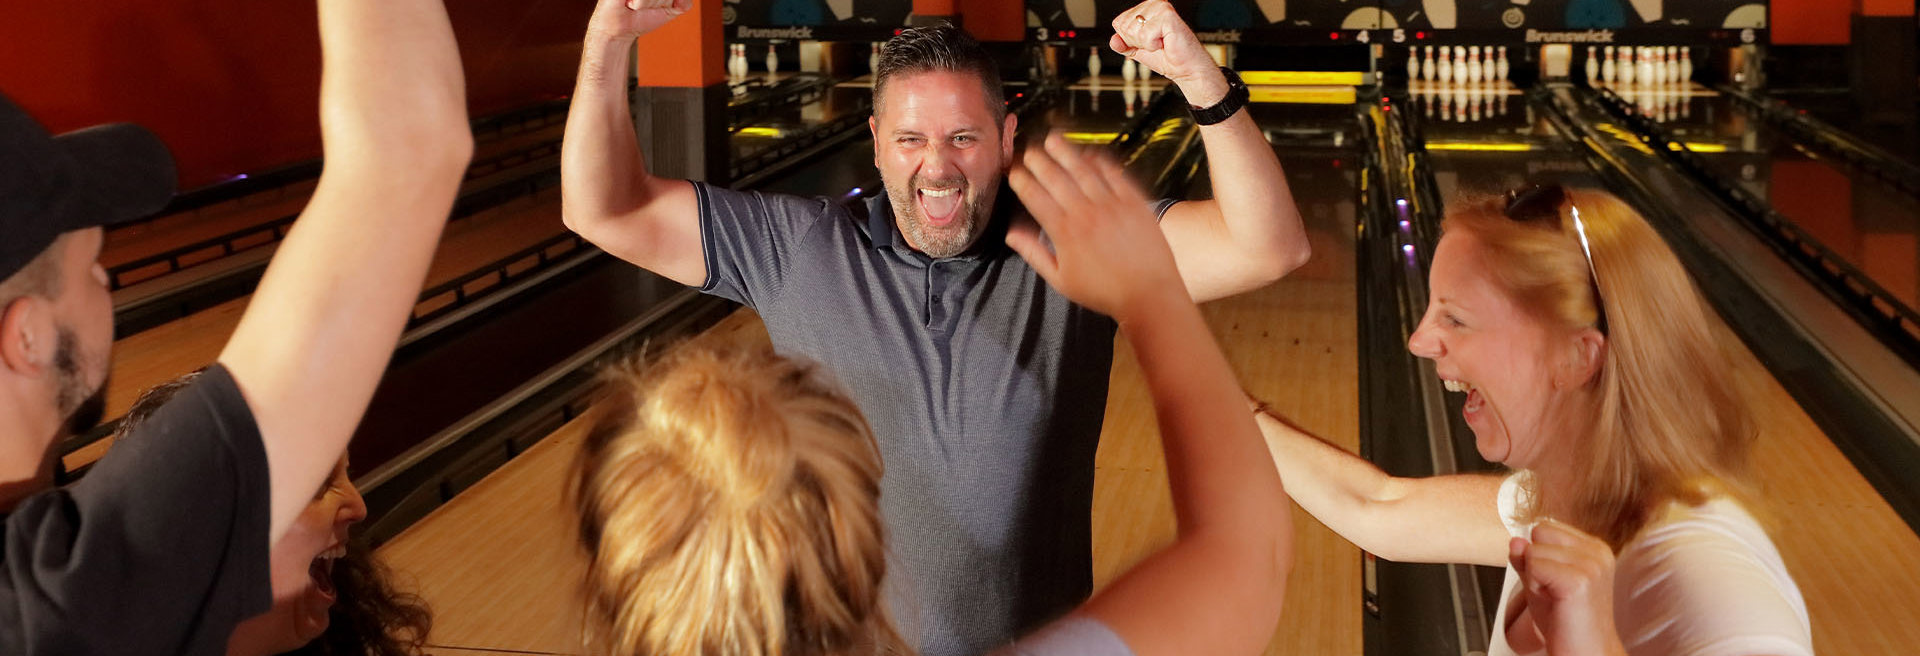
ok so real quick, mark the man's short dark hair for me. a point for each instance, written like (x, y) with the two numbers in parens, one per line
(939, 48)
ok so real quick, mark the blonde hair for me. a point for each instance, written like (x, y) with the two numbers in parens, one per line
(1670, 423)
(729, 502)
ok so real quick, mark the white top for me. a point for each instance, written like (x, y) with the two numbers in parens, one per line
(1700, 581)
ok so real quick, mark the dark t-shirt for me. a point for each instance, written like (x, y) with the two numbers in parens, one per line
(161, 549)
(985, 388)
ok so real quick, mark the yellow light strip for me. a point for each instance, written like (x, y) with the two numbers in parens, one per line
(1298, 78)
(1480, 147)
(1706, 147)
(1090, 137)
(1302, 96)
(762, 132)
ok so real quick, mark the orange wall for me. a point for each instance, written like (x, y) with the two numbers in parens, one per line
(1826, 22)
(1810, 22)
(1886, 7)
(993, 20)
(232, 86)
(688, 51)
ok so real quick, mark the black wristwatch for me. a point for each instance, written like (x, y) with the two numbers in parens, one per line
(1236, 98)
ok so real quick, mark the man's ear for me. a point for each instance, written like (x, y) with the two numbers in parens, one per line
(873, 128)
(1008, 129)
(24, 344)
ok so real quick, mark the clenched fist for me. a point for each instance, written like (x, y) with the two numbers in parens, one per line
(1153, 34)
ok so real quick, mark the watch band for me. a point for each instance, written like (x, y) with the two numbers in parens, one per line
(1236, 98)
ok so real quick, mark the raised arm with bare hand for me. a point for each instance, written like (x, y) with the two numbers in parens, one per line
(320, 330)
(1219, 587)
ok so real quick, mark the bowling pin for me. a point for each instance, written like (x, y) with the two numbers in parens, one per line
(873, 59)
(1644, 74)
(1686, 66)
(1413, 65)
(1593, 65)
(1473, 64)
(1673, 65)
(1429, 71)
(1489, 69)
(773, 60)
(1093, 62)
(1625, 67)
(1660, 66)
(1446, 65)
(1459, 65)
(1501, 68)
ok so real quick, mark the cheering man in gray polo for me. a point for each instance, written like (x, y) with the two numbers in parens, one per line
(985, 387)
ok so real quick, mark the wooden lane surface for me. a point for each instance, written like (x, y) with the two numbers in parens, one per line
(157, 355)
(1294, 345)
(1856, 562)
(171, 232)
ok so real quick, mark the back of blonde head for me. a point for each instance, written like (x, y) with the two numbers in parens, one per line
(1670, 424)
(728, 501)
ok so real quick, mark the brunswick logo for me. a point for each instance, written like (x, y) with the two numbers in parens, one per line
(801, 33)
(1578, 36)
(1218, 36)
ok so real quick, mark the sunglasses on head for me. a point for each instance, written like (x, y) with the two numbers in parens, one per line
(1542, 202)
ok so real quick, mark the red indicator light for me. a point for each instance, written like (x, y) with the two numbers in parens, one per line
(1335, 36)
(1419, 35)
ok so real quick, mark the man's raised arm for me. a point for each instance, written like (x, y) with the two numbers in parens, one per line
(607, 194)
(1250, 233)
(317, 336)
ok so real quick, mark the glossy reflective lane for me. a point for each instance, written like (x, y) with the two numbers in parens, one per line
(1873, 226)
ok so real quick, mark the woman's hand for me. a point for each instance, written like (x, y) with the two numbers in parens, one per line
(1566, 593)
(1107, 252)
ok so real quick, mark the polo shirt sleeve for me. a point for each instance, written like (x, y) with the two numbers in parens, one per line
(161, 549)
(751, 240)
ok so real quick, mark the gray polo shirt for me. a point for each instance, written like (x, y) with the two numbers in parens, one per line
(985, 387)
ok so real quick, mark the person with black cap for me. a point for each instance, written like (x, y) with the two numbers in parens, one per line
(162, 548)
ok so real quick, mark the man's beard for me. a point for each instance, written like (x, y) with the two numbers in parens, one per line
(949, 241)
(83, 407)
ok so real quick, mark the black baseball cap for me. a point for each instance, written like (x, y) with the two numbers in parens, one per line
(50, 185)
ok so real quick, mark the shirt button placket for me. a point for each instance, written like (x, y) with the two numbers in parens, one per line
(936, 290)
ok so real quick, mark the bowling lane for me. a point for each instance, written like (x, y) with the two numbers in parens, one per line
(1293, 344)
(154, 356)
(1096, 110)
(1855, 560)
(773, 128)
(495, 155)
(1871, 224)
